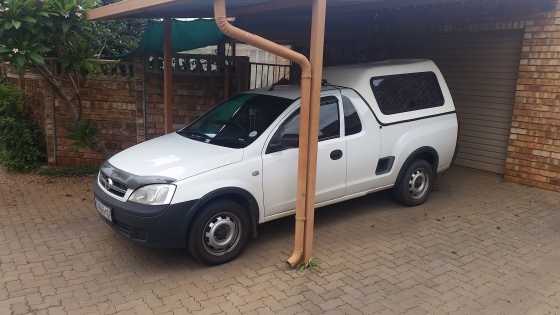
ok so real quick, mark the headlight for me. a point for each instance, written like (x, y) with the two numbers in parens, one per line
(158, 194)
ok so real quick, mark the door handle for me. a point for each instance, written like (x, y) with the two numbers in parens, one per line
(336, 155)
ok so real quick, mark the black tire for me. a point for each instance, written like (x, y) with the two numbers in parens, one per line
(209, 236)
(409, 190)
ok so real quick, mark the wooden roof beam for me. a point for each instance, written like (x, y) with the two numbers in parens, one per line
(126, 7)
(271, 5)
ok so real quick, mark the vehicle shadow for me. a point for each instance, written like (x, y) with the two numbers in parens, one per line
(274, 241)
(328, 215)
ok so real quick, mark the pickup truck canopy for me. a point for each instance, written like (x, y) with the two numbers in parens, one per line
(358, 77)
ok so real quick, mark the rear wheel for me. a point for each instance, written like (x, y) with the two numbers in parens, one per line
(219, 233)
(415, 184)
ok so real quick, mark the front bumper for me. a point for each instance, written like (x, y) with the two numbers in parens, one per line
(154, 226)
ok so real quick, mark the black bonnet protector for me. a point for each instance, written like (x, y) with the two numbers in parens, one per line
(133, 181)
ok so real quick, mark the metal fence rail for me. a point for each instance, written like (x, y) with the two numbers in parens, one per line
(267, 74)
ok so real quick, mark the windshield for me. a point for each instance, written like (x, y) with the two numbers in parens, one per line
(237, 122)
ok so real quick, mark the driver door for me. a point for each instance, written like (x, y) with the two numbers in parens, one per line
(280, 160)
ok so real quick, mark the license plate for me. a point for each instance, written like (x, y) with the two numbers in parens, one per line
(103, 210)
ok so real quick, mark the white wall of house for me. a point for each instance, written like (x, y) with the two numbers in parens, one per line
(255, 54)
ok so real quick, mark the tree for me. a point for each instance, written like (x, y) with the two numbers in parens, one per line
(55, 39)
(117, 38)
(31, 31)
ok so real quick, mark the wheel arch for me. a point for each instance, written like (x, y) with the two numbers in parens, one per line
(429, 154)
(239, 195)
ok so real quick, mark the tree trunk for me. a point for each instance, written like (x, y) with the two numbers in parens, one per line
(21, 84)
(57, 87)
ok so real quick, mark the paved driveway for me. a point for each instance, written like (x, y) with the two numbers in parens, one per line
(479, 246)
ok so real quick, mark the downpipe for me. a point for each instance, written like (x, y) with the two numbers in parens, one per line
(236, 33)
(318, 16)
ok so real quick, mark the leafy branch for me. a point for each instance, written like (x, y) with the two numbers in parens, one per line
(52, 38)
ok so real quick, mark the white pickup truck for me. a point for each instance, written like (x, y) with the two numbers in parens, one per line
(207, 186)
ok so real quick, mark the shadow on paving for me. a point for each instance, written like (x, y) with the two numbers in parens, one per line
(278, 231)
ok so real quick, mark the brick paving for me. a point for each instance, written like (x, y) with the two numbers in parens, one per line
(479, 246)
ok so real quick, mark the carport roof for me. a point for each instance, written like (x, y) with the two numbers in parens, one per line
(203, 8)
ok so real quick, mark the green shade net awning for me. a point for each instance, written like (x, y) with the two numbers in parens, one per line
(185, 35)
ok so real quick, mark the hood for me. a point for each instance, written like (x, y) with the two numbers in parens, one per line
(174, 156)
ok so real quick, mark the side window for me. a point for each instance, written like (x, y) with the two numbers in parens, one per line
(352, 123)
(287, 135)
(407, 92)
(329, 122)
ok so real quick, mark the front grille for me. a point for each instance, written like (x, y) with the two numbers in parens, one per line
(113, 186)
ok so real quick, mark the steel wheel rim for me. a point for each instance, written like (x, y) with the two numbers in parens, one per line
(221, 233)
(418, 184)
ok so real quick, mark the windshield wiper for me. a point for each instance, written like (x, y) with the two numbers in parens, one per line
(231, 142)
(196, 135)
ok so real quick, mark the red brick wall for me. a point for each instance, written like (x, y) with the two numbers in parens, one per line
(194, 95)
(111, 105)
(125, 110)
(534, 146)
(35, 104)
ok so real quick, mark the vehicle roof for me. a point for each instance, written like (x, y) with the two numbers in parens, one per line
(290, 91)
(348, 75)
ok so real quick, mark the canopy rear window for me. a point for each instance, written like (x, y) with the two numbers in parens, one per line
(407, 92)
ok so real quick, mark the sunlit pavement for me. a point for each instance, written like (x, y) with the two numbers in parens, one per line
(478, 246)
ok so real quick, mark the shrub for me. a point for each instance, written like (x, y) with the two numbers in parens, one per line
(84, 135)
(11, 101)
(21, 148)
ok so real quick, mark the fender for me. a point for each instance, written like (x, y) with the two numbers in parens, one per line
(420, 152)
(235, 193)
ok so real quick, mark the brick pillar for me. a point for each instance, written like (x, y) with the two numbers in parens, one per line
(534, 145)
(50, 123)
(141, 99)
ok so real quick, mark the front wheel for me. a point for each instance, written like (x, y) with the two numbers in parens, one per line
(415, 184)
(219, 233)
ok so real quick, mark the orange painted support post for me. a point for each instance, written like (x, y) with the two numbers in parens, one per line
(316, 58)
(167, 76)
(275, 48)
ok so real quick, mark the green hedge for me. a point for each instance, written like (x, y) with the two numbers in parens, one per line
(21, 145)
